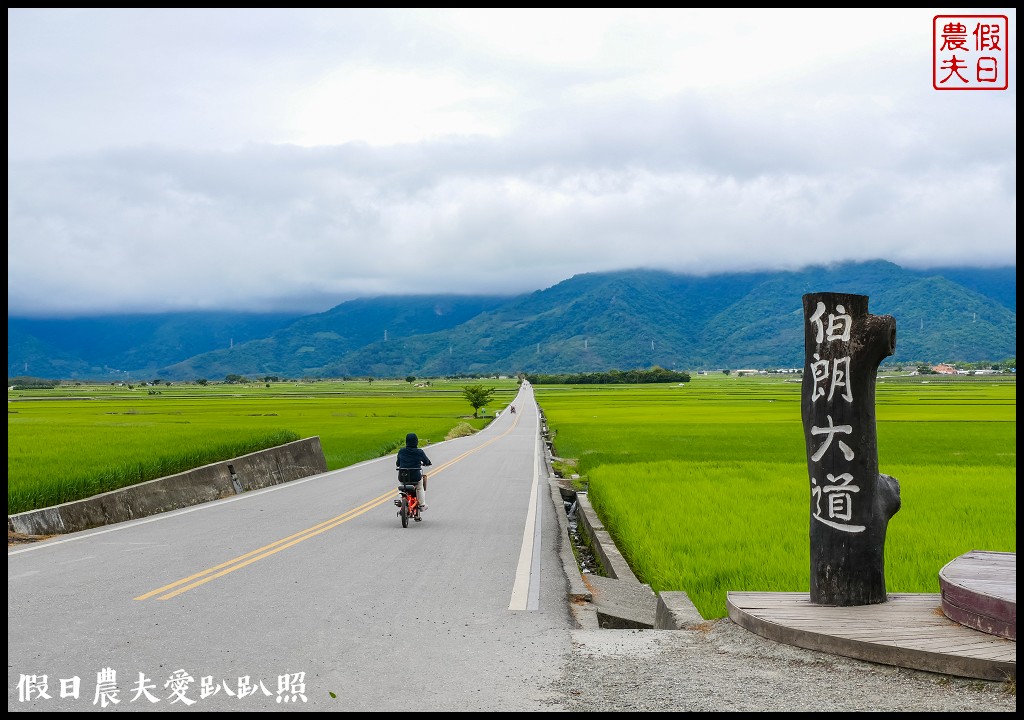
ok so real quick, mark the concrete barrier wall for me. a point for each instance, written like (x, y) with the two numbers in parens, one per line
(601, 540)
(277, 465)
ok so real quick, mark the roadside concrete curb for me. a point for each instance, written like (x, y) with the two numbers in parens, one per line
(611, 559)
(578, 594)
(578, 590)
(619, 601)
(281, 464)
(580, 597)
(676, 611)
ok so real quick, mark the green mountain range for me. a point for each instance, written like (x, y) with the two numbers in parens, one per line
(588, 323)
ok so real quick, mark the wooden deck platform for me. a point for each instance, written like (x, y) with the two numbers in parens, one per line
(979, 590)
(909, 630)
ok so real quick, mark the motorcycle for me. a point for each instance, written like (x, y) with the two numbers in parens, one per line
(408, 505)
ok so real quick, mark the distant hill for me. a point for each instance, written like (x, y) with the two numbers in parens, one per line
(308, 345)
(117, 347)
(588, 323)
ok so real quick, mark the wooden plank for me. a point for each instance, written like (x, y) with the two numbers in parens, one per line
(910, 630)
(979, 591)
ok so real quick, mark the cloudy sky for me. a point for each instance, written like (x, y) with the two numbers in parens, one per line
(266, 160)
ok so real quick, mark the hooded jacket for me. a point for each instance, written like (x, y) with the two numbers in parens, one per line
(411, 457)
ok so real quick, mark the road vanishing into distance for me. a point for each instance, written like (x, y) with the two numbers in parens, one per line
(309, 595)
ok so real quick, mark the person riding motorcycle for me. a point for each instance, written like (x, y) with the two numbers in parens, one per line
(412, 458)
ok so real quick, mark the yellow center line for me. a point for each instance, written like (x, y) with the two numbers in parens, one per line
(201, 578)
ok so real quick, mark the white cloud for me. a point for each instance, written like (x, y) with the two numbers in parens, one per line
(263, 159)
(385, 107)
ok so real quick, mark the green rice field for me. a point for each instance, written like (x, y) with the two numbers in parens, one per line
(78, 440)
(704, 485)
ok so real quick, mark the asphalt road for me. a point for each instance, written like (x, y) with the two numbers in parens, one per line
(309, 595)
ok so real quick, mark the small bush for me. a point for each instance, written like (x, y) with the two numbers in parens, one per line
(461, 430)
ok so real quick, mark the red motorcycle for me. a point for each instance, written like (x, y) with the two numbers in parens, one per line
(408, 505)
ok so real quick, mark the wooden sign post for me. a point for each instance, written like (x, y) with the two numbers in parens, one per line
(851, 502)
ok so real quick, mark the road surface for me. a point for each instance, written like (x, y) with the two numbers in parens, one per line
(309, 595)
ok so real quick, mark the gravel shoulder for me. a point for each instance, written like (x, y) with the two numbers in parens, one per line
(723, 667)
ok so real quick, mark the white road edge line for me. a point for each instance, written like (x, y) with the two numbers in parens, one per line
(522, 598)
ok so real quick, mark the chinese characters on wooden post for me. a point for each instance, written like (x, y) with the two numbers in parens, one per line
(851, 502)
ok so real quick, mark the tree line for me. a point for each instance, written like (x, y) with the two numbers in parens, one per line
(612, 377)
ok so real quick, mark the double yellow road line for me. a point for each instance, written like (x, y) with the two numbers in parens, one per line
(217, 571)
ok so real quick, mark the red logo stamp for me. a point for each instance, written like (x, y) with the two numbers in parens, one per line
(970, 52)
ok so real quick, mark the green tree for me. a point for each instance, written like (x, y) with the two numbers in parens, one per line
(410, 379)
(478, 396)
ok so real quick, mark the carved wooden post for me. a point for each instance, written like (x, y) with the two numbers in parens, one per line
(851, 503)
